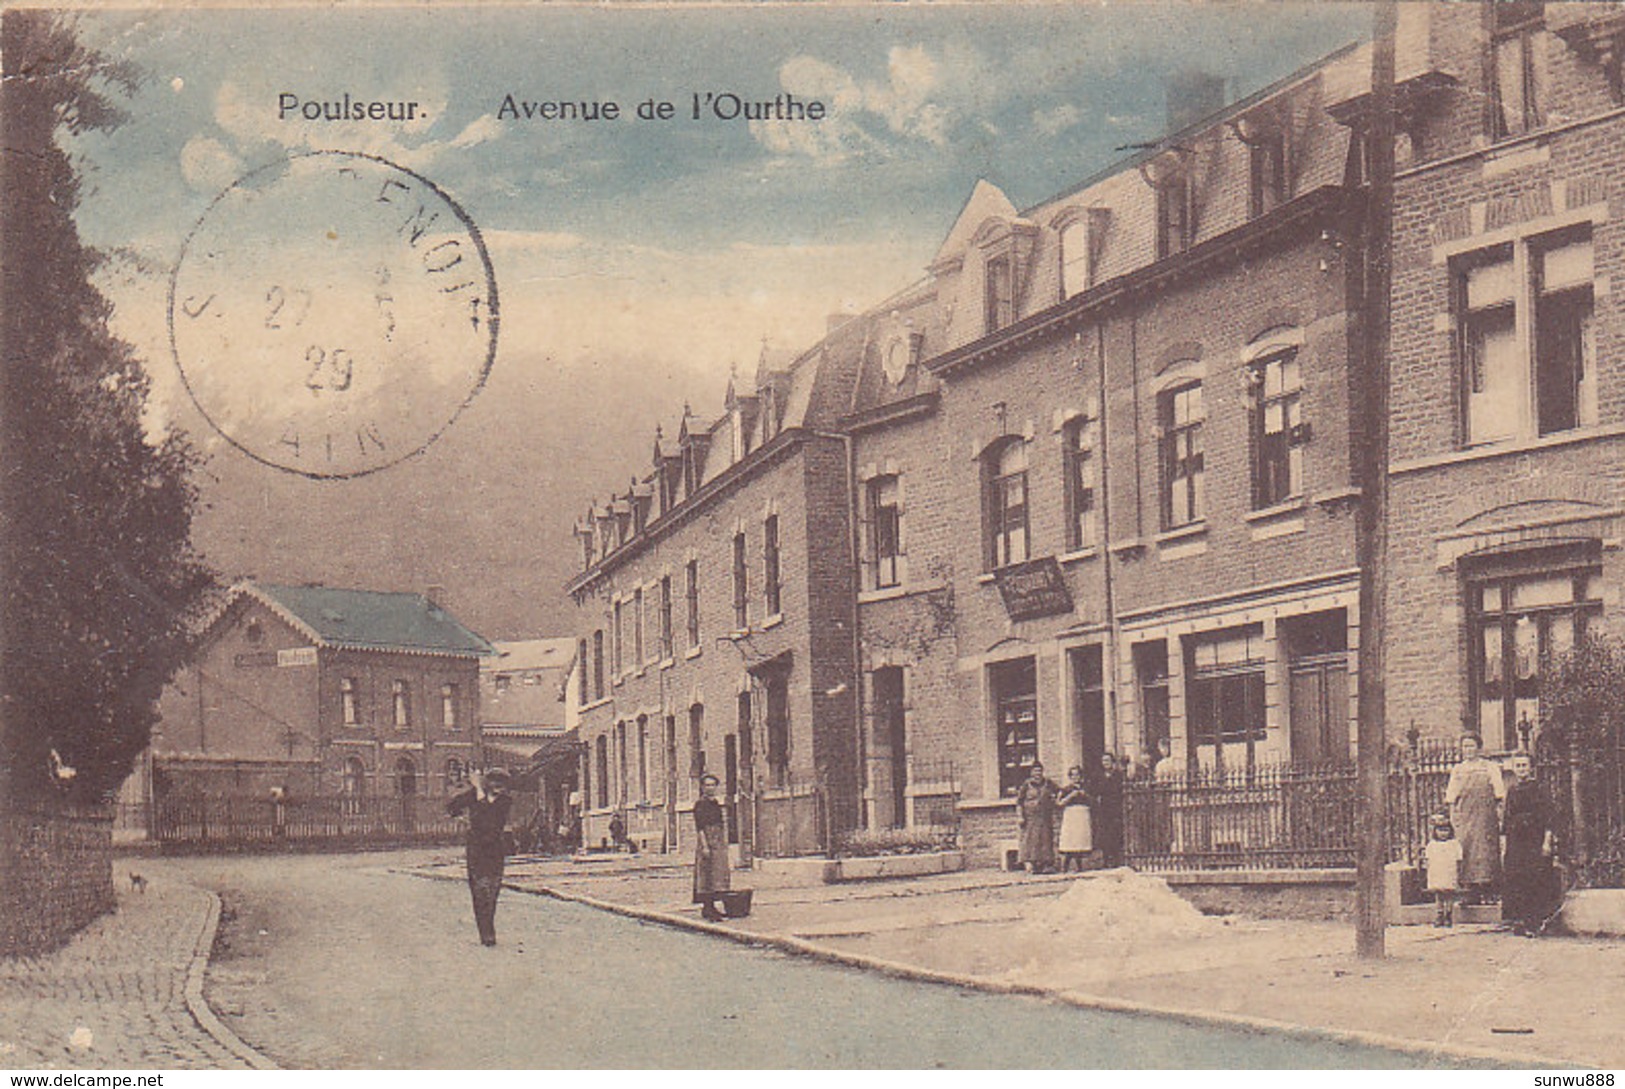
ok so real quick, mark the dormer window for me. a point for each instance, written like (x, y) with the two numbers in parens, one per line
(1077, 270)
(999, 303)
(1267, 152)
(1173, 215)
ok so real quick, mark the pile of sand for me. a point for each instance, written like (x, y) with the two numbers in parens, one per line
(1121, 905)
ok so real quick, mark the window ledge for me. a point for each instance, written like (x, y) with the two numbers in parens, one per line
(1128, 547)
(595, 704)
(905, 589)
(985, 577)
(1181, 533)
(1088, 552)
(693, 651)
(737, 634)
(1510, 446)
(1294, 505)
(667, 663)
(773, 621)
(985, 803)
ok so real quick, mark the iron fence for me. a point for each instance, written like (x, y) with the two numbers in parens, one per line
(224, 821)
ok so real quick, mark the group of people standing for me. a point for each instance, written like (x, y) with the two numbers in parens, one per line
(1495, 837)
(1091, 818)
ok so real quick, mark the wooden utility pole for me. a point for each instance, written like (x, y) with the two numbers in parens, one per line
(1372, 528)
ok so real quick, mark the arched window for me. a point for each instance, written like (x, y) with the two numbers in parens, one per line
(1005, 470)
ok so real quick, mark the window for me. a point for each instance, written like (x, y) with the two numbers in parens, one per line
(622, 780)
(885, 525)
(1076, 267)
(354, 785)
(448, 707)
(1518, 67)
(643, 758)
(1549, 279)
(691, 590)
(582, 689)
(1521, 621)
(1279, 433)
(403, 704)
(1182, 483)
(456, 774)
(598, 664)
(1173, 216)
(406, 777)
(1007, 503)
(665, 617)
(1015, 709)
(770, 565)
(741, 585)
(999, 301)
(619, 640)
(1267, 155)
(601, 752)
(1151, 677)
(347, 702)
(637, 628)
(1081, 474)
(1224, 690)
(776, 687)
(696, 742)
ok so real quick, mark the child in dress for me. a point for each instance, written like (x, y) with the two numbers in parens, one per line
(1442, 859)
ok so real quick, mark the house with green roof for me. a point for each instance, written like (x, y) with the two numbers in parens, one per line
(319, 692)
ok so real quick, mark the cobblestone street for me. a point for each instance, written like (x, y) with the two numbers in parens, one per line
(116, 996)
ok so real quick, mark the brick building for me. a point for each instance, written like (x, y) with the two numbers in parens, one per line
(1508, 400)
(716, 621)
(322, 691)
(1098, 489)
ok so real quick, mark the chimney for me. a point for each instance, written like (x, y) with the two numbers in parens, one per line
(437, 596)
(1192, 95)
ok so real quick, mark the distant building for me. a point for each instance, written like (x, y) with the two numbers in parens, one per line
(322, 691)
(528, 725)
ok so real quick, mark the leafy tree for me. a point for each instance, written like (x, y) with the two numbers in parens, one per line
(100, 582)
(1582, 710)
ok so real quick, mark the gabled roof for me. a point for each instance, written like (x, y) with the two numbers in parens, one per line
(367, 619)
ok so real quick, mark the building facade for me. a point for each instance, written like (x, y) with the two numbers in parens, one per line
(1508, 397)
(1094, 483)
(323, 691)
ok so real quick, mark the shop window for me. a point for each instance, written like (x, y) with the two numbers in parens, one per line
(1520, 622)
(1224, 690)
(1015, 709)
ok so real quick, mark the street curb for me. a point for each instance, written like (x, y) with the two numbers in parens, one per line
(1080, 999)
(199, 1007)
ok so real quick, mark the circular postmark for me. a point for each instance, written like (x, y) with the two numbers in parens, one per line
(333, 313)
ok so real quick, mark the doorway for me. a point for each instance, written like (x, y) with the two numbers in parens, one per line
(891, 748)
(1318, 705)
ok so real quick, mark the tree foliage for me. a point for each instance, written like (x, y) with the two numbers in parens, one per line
(101, 585)
(1583, 699)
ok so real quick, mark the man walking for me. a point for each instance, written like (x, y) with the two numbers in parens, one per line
(486, 801)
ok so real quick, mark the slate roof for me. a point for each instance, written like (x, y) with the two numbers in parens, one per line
(370, 619)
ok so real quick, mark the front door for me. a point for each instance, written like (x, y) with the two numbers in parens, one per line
(892, 745)
(1320, 709)
(1089, 707)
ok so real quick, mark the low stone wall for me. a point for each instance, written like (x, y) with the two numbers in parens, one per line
(1315, 895)
(56, 874)
(984, 832)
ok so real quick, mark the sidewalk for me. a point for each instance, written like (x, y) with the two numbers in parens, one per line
(1120, 940)
(125, 993)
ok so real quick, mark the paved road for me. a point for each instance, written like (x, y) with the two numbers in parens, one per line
(336, 961)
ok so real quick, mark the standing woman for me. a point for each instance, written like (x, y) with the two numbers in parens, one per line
(486, 801)
(1474, 794)
(1533, 893)
(1035, 813)
(1077, 832)
(711, 876)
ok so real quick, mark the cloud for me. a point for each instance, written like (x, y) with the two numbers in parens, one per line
(208, 165)
(480, 130)
(913, 102)
(1056, 119)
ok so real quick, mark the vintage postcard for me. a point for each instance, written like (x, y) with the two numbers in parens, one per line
(1049, 535)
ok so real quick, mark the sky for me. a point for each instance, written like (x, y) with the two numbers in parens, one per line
(647, 256)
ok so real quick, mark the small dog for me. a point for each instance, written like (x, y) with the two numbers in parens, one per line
(138, 883)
